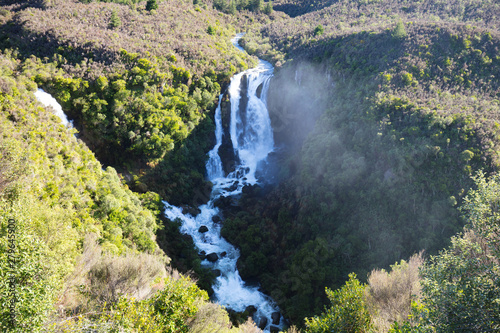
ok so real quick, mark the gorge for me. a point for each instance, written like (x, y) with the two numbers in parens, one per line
(251, 138)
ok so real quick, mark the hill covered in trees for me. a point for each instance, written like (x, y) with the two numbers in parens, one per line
(383, 112)
(404, 102)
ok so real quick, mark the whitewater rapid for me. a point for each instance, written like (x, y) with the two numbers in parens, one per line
(251, 136)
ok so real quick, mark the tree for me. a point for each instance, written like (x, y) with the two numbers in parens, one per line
(211, 30)
(176, 303)
(461, 285)
(319, 30)
(268, 9)
(151, 5)
(348, 311)
(115, 21)
(255, 5)
(399, 30)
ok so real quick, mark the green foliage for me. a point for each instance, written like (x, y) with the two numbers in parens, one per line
(176, 303)
(115, 21)
(361, 172)
(347, 312)
(57, 192)
(319, 30)
(233, 6)
(268, 9)
(151, 5)
(210, 30)
(399, 30)
(461, 286)
(28, 281)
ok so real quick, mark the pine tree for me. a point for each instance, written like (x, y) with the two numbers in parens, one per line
(151, 5)
(268, 9)
(115, 21)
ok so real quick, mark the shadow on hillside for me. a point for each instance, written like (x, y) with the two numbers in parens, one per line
(361, 53)
(16, 35)
(302, 7)
(16, 5)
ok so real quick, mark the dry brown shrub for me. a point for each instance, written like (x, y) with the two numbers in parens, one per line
(293, 329)
(389, 294)
(210, 318)
(249, 327)
(103, 277)
(132, 274)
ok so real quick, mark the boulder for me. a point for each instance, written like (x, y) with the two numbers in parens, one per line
(223, 254)
(274, 329)
(203, 229)
(212, 257)
(223, 202)
(217, 272)
(250, 310)
(262, 323)
(216, 219)
(202, 255)
(233, 186)
(190, 210)
(275, 316)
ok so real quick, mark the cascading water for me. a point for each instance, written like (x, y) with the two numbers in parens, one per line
(252, 139)
(47, 100)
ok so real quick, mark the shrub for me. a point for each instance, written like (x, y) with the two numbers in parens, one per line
(399, 30)
(151, 5)
(347, 313)
(389, 294)
(319, 30)
(115, 21)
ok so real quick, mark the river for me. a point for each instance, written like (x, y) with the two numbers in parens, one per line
(251, 137)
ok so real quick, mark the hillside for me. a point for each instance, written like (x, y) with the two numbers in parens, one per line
(137, 87)
(393, 106)
(79, 249)
(386, 122)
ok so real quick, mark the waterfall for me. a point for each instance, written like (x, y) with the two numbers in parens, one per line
(251, 135)
(214, 164)
(48, 101)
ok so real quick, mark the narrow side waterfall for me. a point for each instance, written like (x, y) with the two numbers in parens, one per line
(48, 101)
(252, 139)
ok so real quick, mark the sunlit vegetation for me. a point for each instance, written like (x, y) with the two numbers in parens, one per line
(384, 110)
(85, 254)
(136, 89)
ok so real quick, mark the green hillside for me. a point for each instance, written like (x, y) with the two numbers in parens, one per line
(387, 119)
(393, 106)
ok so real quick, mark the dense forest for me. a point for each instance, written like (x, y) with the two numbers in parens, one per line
(382, 212)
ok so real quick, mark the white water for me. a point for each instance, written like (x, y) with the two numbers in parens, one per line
(48, 101)
(252, 138)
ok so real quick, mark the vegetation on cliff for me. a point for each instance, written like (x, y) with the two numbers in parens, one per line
(384, 110)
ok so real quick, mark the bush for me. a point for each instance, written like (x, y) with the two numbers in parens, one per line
(389, 294)
(319, 30)
(347, 313)
(399, 30)
(151, 5)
